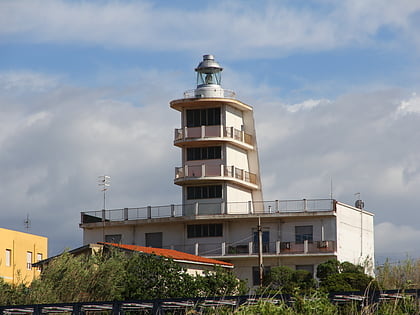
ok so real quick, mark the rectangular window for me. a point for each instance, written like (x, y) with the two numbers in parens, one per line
(303, 233)
(38, 257)
(256, 274)
(204, 192)
(265, 242)
(204, 230)
(205, 153)
(203, 117)
(309, 268)
(113, 238)
(8, 259)
(154, 240)
(28, 260)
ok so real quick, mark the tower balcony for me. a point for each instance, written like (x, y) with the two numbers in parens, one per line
(198, 173)
(187, 135)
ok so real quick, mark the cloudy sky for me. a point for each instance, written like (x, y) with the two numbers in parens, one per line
(85, 87)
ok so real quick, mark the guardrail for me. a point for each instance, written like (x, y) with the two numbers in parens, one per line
(197, 304)
(226, 94)
(208, 208)
(212, 131)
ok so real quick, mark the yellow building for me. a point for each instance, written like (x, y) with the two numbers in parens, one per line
(18, 251)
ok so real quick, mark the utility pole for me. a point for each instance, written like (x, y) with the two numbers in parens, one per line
(260, 251)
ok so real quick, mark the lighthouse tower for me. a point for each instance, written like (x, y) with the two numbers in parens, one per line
(220, 168)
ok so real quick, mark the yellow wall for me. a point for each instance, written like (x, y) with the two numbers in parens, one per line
(17, 246)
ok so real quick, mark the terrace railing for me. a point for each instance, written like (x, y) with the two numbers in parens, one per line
(217, 131)
(208, 208)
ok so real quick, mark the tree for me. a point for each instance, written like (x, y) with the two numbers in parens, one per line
(284, 279)
(345, 276)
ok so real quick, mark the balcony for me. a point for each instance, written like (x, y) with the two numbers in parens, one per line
(276, 207)
(226, 94)
(219, 133)
(219, 172)
(276, 248)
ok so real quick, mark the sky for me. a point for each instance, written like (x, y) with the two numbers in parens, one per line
(85, 89)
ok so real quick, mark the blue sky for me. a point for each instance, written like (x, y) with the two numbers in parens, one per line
(85, 87)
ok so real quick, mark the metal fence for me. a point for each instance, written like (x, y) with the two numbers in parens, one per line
(208, 208)
(184, 305)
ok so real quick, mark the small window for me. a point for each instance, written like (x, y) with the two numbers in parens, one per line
(256, 274)
(8, 260)
(309, 268)
(113, 238)
(29, 260)
(38, 257)
(203, 117)
(204, 230)
(303, 233)
(154, 239)
(204, 153)
(204, 192)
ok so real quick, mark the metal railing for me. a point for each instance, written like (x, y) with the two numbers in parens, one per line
(216, 131)
(208, 208)
(226, 94)
(250, 248)
(198, 304)
(204, 170)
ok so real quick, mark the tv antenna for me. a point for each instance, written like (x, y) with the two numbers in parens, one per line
(104, 183)
(27, 223)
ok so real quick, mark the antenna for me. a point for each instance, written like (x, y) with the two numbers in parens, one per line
(104, 182)
(27, 223)
(331, 189)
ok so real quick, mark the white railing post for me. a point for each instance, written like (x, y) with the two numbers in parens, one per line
(305, 205)
(249, 207)
(277, 247)
(250, 245)
(185, 133)
(172, 210)
(203, 170)
(196, 249)
(196, 208)
(223, 248)
(223, 209)
(277, 206)
(203, 132)
(305, 246)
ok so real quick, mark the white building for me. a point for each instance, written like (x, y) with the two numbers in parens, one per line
(222, 198)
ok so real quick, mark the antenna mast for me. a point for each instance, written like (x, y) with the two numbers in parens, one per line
(104, 183)
(27, 223)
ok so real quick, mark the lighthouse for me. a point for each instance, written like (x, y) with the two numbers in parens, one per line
(220, 171)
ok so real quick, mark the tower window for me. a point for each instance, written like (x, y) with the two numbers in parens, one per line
(204, 192)
(205, 153)
(203, 117)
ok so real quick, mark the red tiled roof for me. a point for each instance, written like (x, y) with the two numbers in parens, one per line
(170, 253)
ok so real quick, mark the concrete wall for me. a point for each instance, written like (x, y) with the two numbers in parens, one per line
(355, 234)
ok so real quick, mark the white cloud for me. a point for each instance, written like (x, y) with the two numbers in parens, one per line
(396, 239)
(27, 81)
(411, 105)
(305, 105)
(236, 28)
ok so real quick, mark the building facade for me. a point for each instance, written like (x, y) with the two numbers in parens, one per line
(223, 209)
(19, 251)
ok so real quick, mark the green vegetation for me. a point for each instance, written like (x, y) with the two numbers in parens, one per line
(117, 276)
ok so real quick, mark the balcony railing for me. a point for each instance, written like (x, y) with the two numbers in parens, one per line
(226, 94)
(251, 248)
(204, 170)
(217, 131)
(208, 208)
